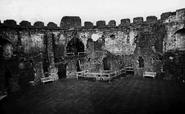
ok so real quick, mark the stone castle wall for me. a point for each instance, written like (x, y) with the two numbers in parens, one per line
(121, 45)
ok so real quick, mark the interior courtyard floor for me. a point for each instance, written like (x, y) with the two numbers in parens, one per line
(130, 94)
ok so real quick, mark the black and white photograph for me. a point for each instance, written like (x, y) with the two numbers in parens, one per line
(92, 56)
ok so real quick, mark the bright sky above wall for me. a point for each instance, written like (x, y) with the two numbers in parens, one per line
(88, 10)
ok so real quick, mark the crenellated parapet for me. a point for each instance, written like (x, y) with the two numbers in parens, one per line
(151, 19)
(10, 23)
(112, 23)
(100, 24)
(70, 22)
(165, 15)
(88, 25)
(25, 24)
(74, 22)
(125, 22)
(138, 20)
(39, 24)
(180, 14)
(52, 25)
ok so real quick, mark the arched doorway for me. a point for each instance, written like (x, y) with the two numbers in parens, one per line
(180, 38)
(75, 46)
(6, 48)
(6, 52)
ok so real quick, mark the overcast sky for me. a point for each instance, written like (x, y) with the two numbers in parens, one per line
(88, 10)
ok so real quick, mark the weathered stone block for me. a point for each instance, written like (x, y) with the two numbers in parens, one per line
(101, 24)
(25, 24)
(10, 22)
(165, 15)
(52, 25)
(138, 20)
(39, 24)
(181, 11)
(112, 23)
(151, 19)
(88, 24)
(125, 21)
(69, 22)
(180, 14)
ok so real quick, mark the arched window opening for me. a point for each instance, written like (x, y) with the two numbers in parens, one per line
(75, 46)
(179, 38)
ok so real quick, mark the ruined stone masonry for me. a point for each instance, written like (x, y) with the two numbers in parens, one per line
(151, 45)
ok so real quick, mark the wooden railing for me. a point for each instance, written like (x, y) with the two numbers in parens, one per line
(129, 69)
(102, 75)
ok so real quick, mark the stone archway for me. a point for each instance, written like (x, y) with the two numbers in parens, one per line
(6, 48)
(75, 46)
(6, 52)
(180, 38)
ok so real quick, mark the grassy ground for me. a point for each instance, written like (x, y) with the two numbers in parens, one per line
(131, 94)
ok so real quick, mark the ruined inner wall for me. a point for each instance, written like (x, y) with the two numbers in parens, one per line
(174, 45)
(174, 22)
(110, 44)
(96, 47)
(31, 46)
(7, 42)
(114, 47)
(121, 46)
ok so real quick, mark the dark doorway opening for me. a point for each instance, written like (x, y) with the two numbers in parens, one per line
(141, 62)
(78, 66)
(106, 63)
(62, 70)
